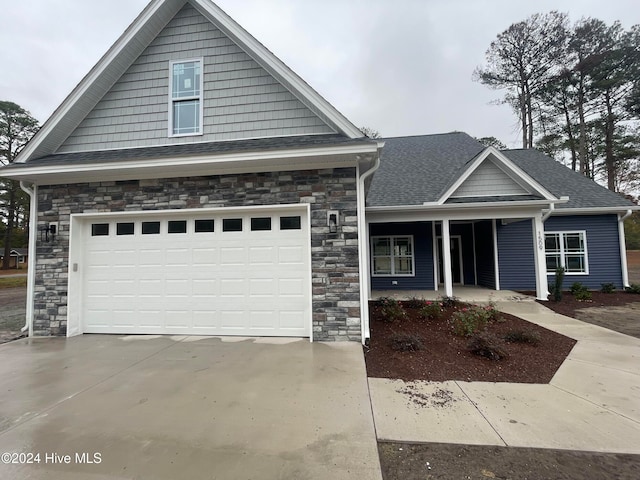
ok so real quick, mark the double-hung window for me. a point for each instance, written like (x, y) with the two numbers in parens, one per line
(567, 250)
(392, 255)
(185, 98)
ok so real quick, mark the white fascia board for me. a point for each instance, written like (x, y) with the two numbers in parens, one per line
(274, 65)
(483, 211)
(243, 162)
(516, 173)
(106, 62)
(592, 210)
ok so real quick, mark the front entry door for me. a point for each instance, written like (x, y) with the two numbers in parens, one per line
(456, 260)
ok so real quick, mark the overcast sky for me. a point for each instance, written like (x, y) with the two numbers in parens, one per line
(402, 67)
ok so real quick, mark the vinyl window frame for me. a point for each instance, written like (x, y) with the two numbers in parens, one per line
(392, 256)
(173, 101)
(564, 253)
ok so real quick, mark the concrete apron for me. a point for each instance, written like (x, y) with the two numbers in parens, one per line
(592, 403)
(185, 407)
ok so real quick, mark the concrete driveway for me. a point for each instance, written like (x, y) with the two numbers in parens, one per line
(184, 407)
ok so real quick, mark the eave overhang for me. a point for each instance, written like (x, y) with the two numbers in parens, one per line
(195, 165)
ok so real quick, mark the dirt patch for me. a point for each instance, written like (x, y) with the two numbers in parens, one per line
(454, 462)
(12, 313)
(619, 311)
(445, 356)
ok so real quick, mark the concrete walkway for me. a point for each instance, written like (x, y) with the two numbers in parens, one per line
(185, 407)
(592, 403)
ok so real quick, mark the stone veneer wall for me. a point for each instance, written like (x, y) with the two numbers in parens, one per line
(335, 269)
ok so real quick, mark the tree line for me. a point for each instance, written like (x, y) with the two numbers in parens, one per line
(575, 89)
(17, 127)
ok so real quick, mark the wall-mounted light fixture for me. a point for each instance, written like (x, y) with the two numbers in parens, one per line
(333, 221)
(48, 232)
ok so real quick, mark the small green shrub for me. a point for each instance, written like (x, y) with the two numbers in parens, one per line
(391, 309)
(608, 288)
(450, 302)
(414, 303)
(468, 320)
(431, 310)
(557, 286)
(523, 336)
(488, 346)
(580, 292)
(633, 288)
(406, 342)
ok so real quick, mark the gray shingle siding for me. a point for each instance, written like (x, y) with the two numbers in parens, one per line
(603, 248)
(241, 99)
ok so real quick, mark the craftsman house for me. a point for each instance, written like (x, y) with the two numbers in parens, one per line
(193, 184)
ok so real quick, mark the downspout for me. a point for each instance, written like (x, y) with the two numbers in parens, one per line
(552, 207)
(31, 268)
(623, 249)
(363, 250)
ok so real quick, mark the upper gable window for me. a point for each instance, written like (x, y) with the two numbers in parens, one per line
(185, 103)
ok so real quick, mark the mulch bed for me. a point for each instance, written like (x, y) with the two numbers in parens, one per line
(445, 356)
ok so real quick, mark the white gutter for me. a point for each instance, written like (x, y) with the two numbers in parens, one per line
(363, 249)
(461, 206)
(31, 268)
(552, 207)
(623, 248)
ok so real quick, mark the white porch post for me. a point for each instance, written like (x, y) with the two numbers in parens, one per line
(623, 250)
(542, 292)
(446, 259)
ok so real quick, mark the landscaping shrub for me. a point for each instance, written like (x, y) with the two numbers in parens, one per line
(633, 288)
(391, 309)
(580, 292)
(557, 286)
(468, 320)
(406, 342)
(608, 288)
(523, 336)
(488, 346)
(414, 303)
(431, 310)
(450, 302)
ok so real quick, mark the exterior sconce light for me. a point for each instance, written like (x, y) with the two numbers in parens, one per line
(333, 221)
(48, 233)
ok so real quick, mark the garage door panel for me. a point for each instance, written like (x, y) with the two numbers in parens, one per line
(206, 283)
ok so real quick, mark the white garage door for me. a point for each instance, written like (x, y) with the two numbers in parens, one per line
(237, 272)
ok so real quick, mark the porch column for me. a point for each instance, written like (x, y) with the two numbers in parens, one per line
(446, 259)
(542, 292)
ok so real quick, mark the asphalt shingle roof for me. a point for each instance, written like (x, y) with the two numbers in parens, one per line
(415, 170)
(194, 149)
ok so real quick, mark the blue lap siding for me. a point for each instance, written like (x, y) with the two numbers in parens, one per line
(423, 248)
(603, 248)
(516, 256)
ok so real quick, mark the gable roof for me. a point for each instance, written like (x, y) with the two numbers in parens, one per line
(132, 43)
(424, 169)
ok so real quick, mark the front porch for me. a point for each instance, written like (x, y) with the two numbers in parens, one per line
(469, 294)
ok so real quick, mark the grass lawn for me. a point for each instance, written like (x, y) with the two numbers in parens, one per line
(13, 282)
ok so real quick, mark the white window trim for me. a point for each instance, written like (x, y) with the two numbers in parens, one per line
(562, 254)
(392, 274)
(200, 97)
